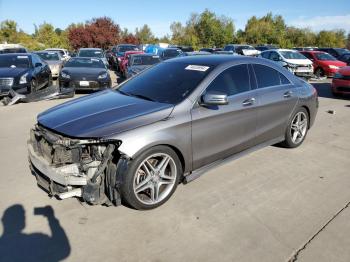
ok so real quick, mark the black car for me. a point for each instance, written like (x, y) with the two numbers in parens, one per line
(336, 52)
(168, 53)
(210, 50)
(265, 47)
(345, 58)
(23, 73)
(83, 73)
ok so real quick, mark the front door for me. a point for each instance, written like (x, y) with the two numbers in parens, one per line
(220, 131)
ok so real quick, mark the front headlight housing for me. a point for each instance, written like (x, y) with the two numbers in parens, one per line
(23, 79)
(333, 67)
(65, 75)
(103, 76)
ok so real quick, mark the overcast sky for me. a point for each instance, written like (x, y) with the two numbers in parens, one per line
(159, 14)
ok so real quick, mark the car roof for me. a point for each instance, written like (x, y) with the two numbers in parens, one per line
(16, 54)
(90, 48)
(144, 54)
(312, 51)
(212, 59)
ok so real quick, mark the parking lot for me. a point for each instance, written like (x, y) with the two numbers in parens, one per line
(273, 205)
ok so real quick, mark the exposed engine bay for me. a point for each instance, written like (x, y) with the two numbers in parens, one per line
(68, 167)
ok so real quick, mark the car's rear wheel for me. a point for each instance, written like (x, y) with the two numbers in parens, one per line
(152, 178)
(297, 129)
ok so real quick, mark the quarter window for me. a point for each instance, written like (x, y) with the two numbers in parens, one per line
(266, 76)
(232, 81)
(284, 80)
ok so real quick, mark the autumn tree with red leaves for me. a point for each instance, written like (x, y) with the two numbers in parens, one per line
(98, 32)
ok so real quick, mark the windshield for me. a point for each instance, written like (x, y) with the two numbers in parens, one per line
(145, 60)
(125, 48)
(292, 55)
(15, 61)
(167, 83)
(341, 51)
(49, 56)
(325, 57)
(81, 62)
(90, 53)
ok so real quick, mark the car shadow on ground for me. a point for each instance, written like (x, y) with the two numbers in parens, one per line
(325, 90)
(15, 245)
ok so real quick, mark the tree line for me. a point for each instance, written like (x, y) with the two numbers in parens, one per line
(206, 29)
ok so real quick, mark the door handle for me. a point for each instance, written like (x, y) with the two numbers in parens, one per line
(287, 94)
(248, 102)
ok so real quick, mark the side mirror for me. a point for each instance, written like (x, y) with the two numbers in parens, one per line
(38, 64)
(214, 98)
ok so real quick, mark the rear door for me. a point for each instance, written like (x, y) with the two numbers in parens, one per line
(277, 98)
(220, 131)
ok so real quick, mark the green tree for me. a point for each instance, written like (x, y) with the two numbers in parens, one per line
(144, 34)
(47, 36)
(8, 31)
(334, 38)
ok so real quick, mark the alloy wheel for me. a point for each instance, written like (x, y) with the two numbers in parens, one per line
(155, 178)
(298, 127)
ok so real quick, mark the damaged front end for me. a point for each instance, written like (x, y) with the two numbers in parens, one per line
(68, 167)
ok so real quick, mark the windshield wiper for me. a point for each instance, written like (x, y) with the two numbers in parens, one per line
(142, 97)
(136, 95)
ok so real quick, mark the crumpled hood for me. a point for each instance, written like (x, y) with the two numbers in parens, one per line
(12, 72)
(299, 61)
(54, 62)
(102, 114)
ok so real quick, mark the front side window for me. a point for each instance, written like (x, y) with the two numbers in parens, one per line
(265, 54)
(275, 56)
(232, 81)
(266, 76)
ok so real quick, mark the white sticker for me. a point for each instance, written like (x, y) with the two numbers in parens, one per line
(22, 57)
(52, 53)
(95, 60)
(155, 56)
(197, 68)
(97, 52)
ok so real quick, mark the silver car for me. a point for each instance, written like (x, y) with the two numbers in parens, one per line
(167, 125)
(54, 60)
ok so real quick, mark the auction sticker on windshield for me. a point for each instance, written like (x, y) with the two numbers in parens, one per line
(22, 57)
(197, 68)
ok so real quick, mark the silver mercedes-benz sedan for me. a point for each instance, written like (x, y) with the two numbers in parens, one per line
(167, 125)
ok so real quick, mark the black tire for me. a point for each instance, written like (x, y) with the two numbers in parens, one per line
(288, 142)
(127, 187)
(319, 72)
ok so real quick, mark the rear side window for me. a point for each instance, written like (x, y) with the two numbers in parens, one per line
(266, 76)
(233, 80)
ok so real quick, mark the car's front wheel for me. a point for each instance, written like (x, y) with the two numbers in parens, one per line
(152, 178)
(297, 129)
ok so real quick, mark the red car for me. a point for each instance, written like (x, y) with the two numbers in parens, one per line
(341, 81)
(324, 64)
(125, 59)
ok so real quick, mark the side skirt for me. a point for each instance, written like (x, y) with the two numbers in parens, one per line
(201, 171)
